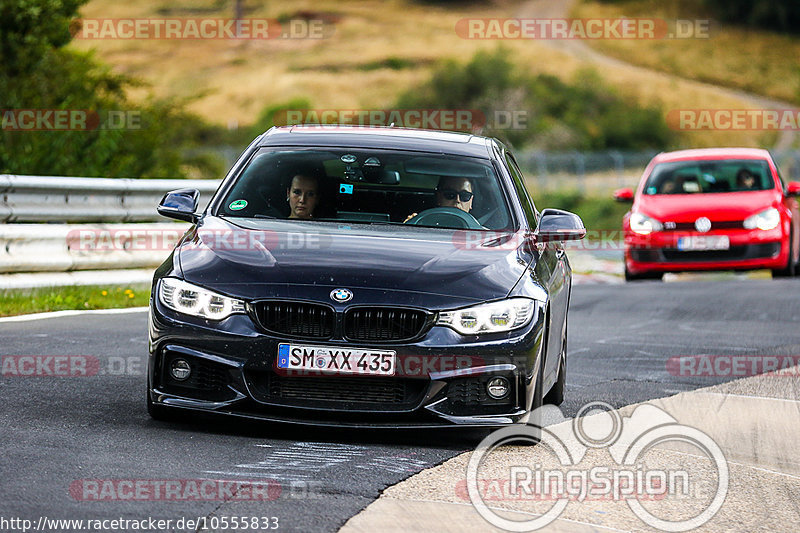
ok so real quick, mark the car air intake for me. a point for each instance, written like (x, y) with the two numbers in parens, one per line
(384, 323)
(338, 389)
(298, 319)
(336, 393)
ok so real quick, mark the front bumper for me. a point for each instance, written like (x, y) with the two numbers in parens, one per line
(440, 379)
(749, 250)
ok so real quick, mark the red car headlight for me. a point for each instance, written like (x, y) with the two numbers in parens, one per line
(643, 224)
(765, 220)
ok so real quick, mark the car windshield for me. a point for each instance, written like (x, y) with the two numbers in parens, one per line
(369, 187)
(709, 176)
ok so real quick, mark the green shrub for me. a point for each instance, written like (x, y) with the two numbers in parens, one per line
(585, 114)
(598, 213)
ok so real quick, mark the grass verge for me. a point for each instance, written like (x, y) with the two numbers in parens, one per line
(40, 300)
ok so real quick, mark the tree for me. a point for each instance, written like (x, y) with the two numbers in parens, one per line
(38, 73)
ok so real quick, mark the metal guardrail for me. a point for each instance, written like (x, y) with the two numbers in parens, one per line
(66, 199)
(601, 172)
(72, 247)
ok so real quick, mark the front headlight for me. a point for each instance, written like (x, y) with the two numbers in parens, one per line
(494, 317)
(190, 299)
(765, 220)
(643, 224)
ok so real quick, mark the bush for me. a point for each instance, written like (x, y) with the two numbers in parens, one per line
(599, 213)
(775, 15)
(585, 114)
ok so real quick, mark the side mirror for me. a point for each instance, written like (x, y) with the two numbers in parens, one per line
(624, 195)
(180, 205)
(793, 188)
(558, 225)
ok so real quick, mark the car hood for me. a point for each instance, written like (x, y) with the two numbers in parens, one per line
(380, 263)
(716, 206)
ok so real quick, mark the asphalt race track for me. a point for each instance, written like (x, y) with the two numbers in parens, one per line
(59, 432)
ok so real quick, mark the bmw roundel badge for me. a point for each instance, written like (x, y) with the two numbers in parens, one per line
(341, 295)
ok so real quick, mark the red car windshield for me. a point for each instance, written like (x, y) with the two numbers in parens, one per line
(709, 176)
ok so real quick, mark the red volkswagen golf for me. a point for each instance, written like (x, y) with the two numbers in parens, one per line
(711, 209)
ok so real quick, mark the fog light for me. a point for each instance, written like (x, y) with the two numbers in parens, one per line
(180, 369)
(498, 388)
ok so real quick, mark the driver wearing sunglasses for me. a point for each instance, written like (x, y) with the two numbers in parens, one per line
(455, 192)
(452, 192)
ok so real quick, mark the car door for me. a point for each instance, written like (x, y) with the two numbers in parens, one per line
(551, 269)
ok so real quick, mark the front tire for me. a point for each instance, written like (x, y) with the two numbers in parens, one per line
(791, 268)
(555, 396)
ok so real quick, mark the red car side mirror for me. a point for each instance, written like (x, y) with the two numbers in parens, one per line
(623, 195)
(793, 188)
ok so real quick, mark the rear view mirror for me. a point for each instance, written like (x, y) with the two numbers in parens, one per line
(180, 204)
(558, 225)
(793, 188)
(389, 177)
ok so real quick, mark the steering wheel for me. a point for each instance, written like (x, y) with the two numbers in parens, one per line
(446, 217)
(485, 218)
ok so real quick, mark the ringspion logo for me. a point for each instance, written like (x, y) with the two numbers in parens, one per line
(678, 493)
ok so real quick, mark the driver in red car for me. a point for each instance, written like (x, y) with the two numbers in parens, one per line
(452, 192)
(745, 180)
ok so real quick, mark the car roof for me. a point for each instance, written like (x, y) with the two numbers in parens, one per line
(712, 153)
(445, 142)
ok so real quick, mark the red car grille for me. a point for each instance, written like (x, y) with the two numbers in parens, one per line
(715, 225)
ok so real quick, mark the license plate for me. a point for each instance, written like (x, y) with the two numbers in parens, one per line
(335, 360)
(704, 242)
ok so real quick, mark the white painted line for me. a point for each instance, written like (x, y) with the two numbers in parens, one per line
(749, 396)
(745, 465)
(240, 474)
(72, 312)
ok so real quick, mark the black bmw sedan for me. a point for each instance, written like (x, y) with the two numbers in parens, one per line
(363, 276)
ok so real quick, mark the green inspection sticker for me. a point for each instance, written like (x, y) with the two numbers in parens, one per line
(237, 205)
